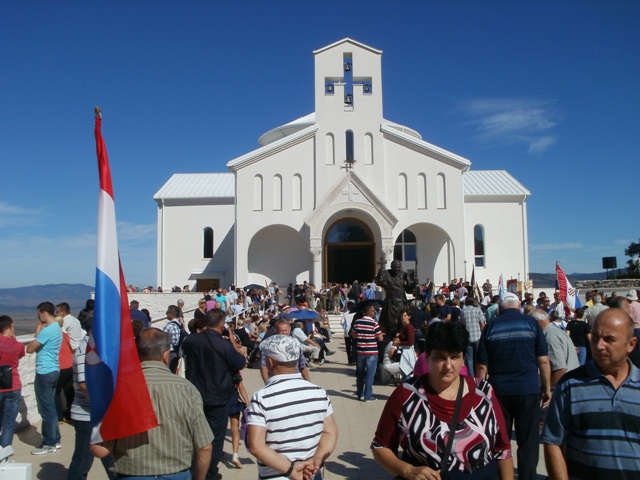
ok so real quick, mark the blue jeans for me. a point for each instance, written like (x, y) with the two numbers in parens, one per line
(9, 405)
(469, 358)
(45, 389)
(82, 459)
(217, 417)
(184, 475)
(582, 355)
(366, 371)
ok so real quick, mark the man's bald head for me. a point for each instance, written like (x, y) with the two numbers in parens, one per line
(616, 317)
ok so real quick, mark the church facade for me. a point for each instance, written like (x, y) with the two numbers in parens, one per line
(338, 194)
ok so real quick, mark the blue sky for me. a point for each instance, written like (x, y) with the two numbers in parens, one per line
(547, 90)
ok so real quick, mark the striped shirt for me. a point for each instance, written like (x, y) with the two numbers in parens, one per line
(169, 447)
(366, 329)
(598, 426)
(80, 409)
(510, 345)
(293, 412)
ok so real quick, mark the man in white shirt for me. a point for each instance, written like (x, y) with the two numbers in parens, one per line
(71, 325)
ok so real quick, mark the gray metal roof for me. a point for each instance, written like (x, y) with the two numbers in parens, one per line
(198, 185)
(491, 182)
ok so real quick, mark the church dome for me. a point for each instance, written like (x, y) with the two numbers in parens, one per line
(287, 129)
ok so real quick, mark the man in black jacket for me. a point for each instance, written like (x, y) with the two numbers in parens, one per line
(211, 363)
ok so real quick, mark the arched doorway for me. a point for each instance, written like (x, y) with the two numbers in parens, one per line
(349, 252)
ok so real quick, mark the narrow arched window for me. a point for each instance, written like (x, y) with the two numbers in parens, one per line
(402, 191)
(368, 149)
(441, 191)
(277, 192)
(207, 243)
(297, 192)
(329, 149)
(257, 193)
(422, 191)
(349, 145)
(478, 245)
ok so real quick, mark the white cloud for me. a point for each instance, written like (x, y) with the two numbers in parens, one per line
(16, 215)
(130, 232)
(509, 121)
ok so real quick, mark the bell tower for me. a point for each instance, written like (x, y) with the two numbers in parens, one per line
(348, 84)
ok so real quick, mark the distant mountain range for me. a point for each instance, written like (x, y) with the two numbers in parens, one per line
(28, 298)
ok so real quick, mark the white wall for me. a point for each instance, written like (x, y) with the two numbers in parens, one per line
(504, 239)
(180, 259)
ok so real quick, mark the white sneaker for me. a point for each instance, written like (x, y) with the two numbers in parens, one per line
(44, 449)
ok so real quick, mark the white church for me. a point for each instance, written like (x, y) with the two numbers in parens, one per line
(336, 194)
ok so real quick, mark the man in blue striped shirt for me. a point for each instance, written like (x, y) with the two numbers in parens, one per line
(514, 352)
(593, 424)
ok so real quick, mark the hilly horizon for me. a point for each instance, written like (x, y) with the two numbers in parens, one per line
(27, 298)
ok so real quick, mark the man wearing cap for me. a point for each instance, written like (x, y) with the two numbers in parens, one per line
(283, 327)
(512, 348)
(291, 429)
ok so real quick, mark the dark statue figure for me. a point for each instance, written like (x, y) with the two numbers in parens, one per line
(396, 285)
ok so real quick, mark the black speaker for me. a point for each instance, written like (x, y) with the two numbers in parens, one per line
(609, 263)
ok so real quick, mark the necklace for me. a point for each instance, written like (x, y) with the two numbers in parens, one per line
(451, 391)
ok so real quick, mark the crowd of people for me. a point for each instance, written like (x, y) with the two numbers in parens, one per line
(469, 366)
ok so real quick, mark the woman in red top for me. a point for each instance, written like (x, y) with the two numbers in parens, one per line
(419, 413)
(11, 351)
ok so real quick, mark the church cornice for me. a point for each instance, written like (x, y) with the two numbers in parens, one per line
(331, 195)
(446, 156)
(351, 41)
(272, 148)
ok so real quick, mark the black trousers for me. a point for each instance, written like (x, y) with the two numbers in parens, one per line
(523, 412)
(64, 394)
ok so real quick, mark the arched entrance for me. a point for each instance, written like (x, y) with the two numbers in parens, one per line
(349, 252)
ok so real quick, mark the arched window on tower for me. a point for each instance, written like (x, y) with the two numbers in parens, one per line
(402, 191)
(207, 243)
(368, 149)
(329, 150)
(257, 193)
(478, 245)
(349, 145)
(441, 191)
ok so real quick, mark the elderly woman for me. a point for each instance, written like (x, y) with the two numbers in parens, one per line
(419, 414)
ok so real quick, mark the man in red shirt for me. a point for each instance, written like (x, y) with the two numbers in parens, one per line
(11, 351)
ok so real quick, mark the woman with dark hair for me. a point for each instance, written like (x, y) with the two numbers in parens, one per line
(406, 330)
(448, 425)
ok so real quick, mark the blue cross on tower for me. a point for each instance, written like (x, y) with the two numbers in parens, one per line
(349, 81)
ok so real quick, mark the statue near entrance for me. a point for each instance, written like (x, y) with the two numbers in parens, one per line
(396, 285)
